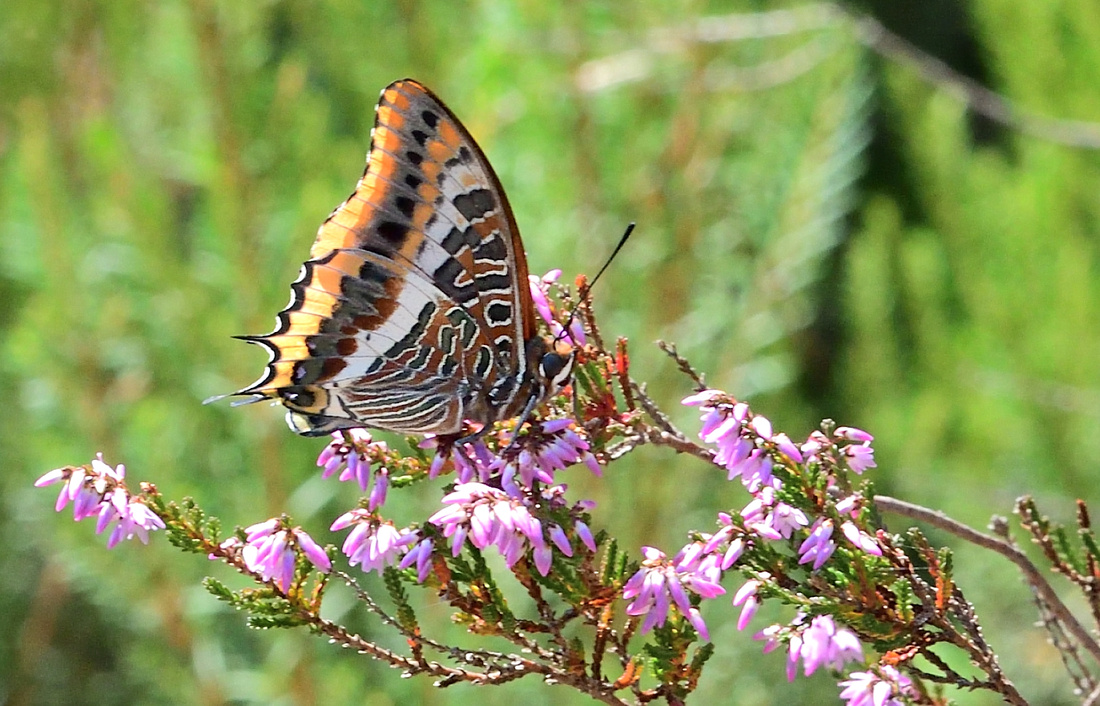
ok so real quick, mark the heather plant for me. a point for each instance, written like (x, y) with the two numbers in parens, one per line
(876, 607)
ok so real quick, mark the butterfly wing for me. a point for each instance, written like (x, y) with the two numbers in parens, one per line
(413, 311)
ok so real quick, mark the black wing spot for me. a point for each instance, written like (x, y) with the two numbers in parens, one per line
(430, 119)
(413, 180)
(457, 239)
(491, 249)
(375, 275)
(464, 154)
(393, 232)
(492, 282)
(483, 363)
(475, 204)
(405, 205)
(445, 277)
(414, 157)
(498, 313)
(420, 136)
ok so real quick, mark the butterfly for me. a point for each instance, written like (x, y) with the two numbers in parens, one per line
(414, 311)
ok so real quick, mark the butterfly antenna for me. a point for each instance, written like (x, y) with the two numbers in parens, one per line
(622, 242)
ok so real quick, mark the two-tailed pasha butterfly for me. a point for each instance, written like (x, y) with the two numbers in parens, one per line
(413, 312)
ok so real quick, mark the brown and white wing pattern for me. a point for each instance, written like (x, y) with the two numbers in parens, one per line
(413, 312)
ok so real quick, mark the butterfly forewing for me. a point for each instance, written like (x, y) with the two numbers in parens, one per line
(414, 311)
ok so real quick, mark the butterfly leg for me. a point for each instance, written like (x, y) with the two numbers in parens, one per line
(524, 416)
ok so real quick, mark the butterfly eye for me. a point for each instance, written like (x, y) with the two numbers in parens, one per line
(556, 369)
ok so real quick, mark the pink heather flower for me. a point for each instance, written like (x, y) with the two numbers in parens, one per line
(585, 535)
(269, 551)
(373, 544)
(770, 635)
(755, 470)
(132, 516)
(437, 466)
(560, 540)
(487, 517)
(313, 551)
(753, 512)
(421, 555)
(728, 536)
(700, 398)
(740, 440)
(658, 585)
(55, 476)
(883, 687)
(762, 426)
(540, 287)
(732, 454)
(232, 545)
(378, 492)
(860, 539)
(853, 434)
(780, 523)
(817, 443)
(787, 447)
(350, 458)
(850, 506)
(472, 460)
(819, 546)
(574, 335)
(100, 491)
(722, 421)
(699, 571)
(558, 447)
(733, 553)
(746, 598)
(716, 423)
(860, 457)
(823, 644)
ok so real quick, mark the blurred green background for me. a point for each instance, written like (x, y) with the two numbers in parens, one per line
(827, 230)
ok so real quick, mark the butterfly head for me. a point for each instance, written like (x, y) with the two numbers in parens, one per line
(556, 365)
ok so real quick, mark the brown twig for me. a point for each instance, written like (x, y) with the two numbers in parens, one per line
(682, 363)
(1031, 573)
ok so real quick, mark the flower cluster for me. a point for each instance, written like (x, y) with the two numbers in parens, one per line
(750, 451)
(549, 447)
(375, 544)
(270, 548)
(488, 516)
(98, 489)
(660, 583)
(819, 644)
(350, 452)
(763, 461)
(802, 515)
(885, 686)
(554, 447)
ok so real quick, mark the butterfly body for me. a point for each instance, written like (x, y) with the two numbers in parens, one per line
(413, 313)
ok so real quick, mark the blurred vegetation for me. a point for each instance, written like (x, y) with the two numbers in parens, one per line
(827, 232)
